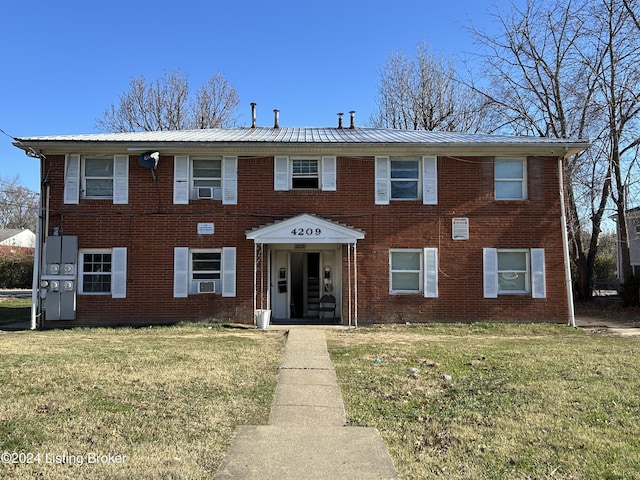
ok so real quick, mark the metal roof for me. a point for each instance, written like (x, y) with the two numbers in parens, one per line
(300, 135)
(338, 139)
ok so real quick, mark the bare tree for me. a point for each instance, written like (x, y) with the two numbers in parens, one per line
(166, 104)
(215, 104)
(423, 94)
(557, 70)
(619, 38)
(18, 205)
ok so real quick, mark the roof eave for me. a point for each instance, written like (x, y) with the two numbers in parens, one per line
(554, 149)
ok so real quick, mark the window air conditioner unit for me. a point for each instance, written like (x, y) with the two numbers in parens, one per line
(205, 192)
(208, 286)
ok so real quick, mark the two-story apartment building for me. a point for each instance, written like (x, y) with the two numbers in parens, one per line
(399, 226)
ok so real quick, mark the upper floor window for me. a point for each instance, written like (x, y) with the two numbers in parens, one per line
(510, 176)
(96, 177)
(200, 177)
(406, 178)
(206, 178)
(304, 173)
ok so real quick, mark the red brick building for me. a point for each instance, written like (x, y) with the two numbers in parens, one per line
(399, 226)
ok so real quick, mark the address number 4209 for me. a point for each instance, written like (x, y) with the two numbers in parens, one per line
(301, 232)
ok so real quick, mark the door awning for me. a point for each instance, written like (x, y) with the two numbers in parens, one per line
(305, 228)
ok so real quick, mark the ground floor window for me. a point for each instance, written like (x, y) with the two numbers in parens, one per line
(199, 271)
(206, 266)
(95, 271)
(406, 271)
(414, 271)
(514, 271)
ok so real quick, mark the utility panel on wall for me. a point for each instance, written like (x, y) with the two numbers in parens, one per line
(460, 228)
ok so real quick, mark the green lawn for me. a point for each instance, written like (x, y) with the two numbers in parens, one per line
(496, 401)
(147, 403)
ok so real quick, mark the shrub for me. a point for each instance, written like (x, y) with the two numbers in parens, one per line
(16, 267)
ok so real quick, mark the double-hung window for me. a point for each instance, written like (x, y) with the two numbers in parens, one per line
(304, 173)
(205, 177)
(413, 271)
(97, 178)
(200, 271)
(406, 178)
(514, 271)
(102, 271)
(206, 266)
(510, 178)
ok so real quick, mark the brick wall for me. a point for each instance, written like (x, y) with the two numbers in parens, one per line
(150, 226)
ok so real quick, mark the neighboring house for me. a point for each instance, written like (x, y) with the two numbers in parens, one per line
(399, 226)
(633, 234)
(17, 237)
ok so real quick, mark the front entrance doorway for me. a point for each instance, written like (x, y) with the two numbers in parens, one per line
(299, 259)
(305, 285)
(299, 279)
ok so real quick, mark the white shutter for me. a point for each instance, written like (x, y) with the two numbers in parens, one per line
(430, 180)
(230, 180)
(121, 179)
(538, 282)
(180, 272)
(329, 173)
(490, 272)
(72, 179)
(181, 179)
(382, 181)
(281, 173)
(119, 272)
(431, 272)
(229, 272)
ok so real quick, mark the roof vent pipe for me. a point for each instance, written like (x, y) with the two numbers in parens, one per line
(340, 120)
(276, 118)
(353, 119)
(253, 115)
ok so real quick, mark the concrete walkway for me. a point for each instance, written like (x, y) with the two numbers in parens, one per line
(306, 438)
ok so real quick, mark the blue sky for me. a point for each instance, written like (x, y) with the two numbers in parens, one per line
(65, 62)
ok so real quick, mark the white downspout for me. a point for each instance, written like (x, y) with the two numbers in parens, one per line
(35, 283)
(565, 244)
(41, 232)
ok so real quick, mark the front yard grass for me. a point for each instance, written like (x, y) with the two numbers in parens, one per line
(495, 401)
(147, 403)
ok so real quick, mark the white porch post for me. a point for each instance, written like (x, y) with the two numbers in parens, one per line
(255, 281)
(349, 279)
(355, 284)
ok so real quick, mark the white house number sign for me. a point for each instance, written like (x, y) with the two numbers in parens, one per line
(306, 232)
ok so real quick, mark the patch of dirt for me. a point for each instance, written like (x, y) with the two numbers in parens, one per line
(607, 316)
